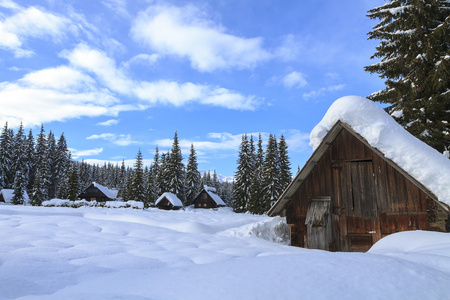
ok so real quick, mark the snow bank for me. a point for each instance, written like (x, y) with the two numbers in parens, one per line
(274, 230)
(425, 164)
(61, 253)
(79, 203)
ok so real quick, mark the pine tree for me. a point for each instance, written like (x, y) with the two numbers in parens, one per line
(19, 189)
(18, 148)
(39, 189)
(29, 162)
(6, 158)
(284, 164)
(153, 191)
(243, 177)
(74, 186)
(41, 156)
(177, 171)
(256, 205)
(62, 165)
(193, 178)
(51, 163)
(271, 174)
(414, 51)
(137, 181)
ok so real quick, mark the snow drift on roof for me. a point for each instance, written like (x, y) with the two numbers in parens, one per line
(172, 198)
(112, 194)
(212, 193)
(419, 160)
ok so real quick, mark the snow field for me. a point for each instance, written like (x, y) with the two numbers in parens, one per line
(101, 253)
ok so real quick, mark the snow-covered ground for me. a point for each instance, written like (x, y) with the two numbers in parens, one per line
(103, 253)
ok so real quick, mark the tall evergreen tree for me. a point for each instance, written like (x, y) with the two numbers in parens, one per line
(74, 183)
(19, 189)
(193, 178)
(256, 205)
(414, 51)
(6, 158)
(153, 191)
(137, 182)
(39, 193)
(284, 164)
(177, 171)
(243, 177)
(61, 163)
(18, 155)
(271, 174)
(29, 162)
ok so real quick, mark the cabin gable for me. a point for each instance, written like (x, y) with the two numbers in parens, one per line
(368, 197)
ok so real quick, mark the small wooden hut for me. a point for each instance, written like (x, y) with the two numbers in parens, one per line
(208, 198)
(349, 195)
(168, 201)
(99, 193)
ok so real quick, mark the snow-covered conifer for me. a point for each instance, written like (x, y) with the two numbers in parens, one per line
(193, 177)
(414, 50)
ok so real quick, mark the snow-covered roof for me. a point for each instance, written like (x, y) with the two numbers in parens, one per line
(210, 188)
(112, 194)
(381, 131)
(171, 197)
(8, 194)
(211, 191)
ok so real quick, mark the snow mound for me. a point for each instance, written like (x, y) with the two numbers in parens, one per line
(274, 230)
(79, 203)
(368, 119)
(414, 241)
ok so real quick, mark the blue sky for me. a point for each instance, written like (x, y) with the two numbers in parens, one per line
(117, 76)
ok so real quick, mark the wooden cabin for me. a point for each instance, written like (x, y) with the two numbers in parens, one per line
(208, 198)
(99, 193)
(6, 196)
(168, 201)
(349, 195)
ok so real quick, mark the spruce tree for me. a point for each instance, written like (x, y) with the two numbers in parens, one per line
(256, 205)
(271, 174)
(177, 171)
(137, 181)
(6, 159)
(153, 191)
(243, 177)
(284, 164)
(74, 183)
(29, 162)
(193, 178)
(414, 51)
(19, 189)
(39, 189)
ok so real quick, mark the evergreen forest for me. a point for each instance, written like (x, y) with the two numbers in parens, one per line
(43, 168)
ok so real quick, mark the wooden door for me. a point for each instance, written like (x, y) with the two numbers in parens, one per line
(362, 222)
(318, 223)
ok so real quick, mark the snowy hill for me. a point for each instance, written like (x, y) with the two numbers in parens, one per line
(101, 253)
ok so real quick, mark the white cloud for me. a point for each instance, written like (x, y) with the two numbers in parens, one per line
(181, 94)
(117, 6)
(323, 91)
(141, 59)
(30, 22)
(118, 139)
(101, 65)
(185, 32)
(294, 80)
(60, 78)
(108, 122)
(82, 153)
(36, 105)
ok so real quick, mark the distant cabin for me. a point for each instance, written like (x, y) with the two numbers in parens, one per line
(168, 201)
(99, 193)
(349, 195)
(6, 196)
(208, 198)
